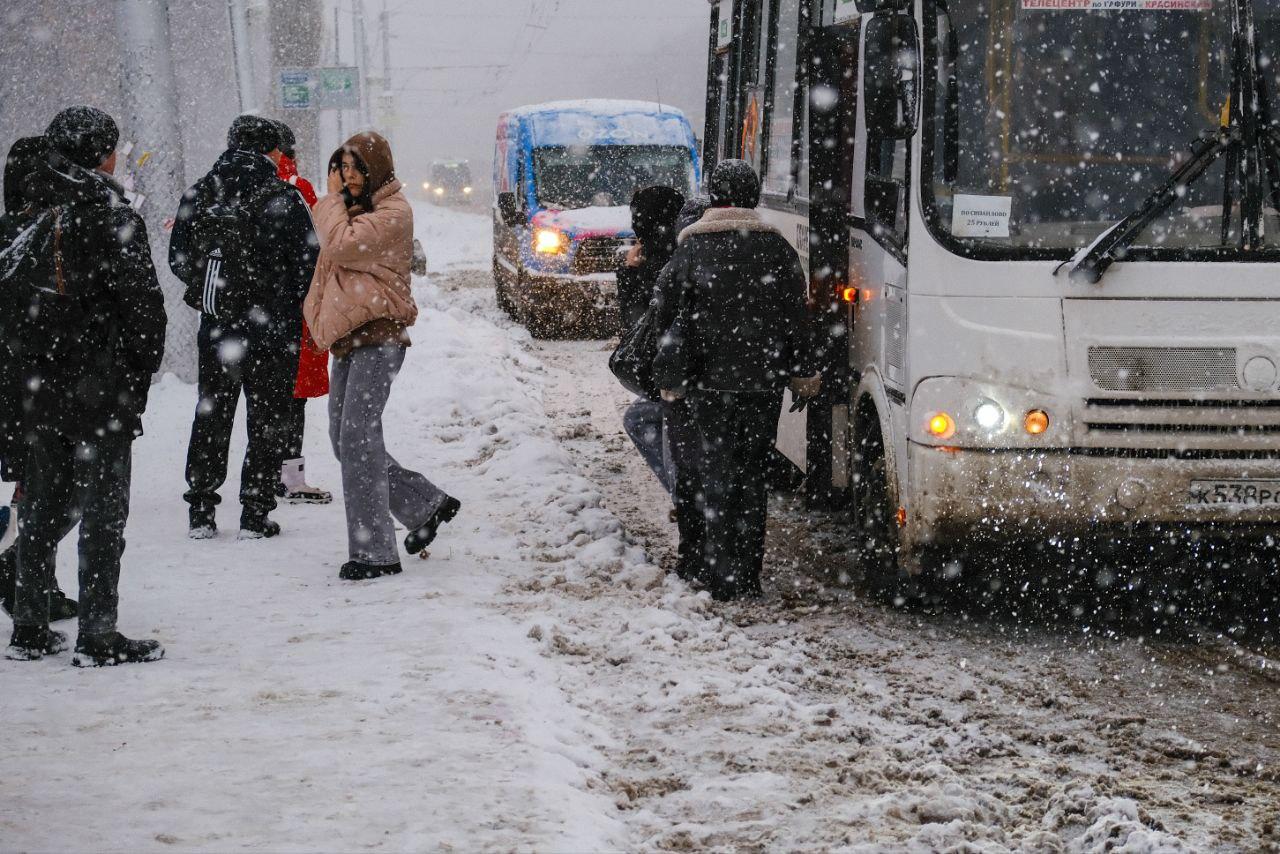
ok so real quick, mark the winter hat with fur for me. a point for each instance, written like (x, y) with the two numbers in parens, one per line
(253, 133)
(734, 184)
(84, 135)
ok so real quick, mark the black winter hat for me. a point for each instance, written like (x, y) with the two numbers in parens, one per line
(692, 212)
(84, 135)
(734, 184)
(253, 133)
(288, 142)
(653, 214)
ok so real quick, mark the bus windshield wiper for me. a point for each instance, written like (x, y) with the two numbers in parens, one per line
(1248, 139)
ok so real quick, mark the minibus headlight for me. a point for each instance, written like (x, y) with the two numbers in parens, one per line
(549, 241)
(989, 415)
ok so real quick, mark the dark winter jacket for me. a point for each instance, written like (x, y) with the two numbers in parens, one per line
(745, 318)
(21, 164)
(95, 335)
(284, 243)
(653, 219)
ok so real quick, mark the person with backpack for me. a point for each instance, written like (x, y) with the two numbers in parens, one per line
(91, 336)
(313, 363)
(244, 245)
(731, 307)
(25, 159)
(360, 307)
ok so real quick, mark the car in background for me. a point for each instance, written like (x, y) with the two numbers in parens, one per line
(448, 182)
(564, 175)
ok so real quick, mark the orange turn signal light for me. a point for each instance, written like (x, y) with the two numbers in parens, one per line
(1036, 422)
(849, 294)
(942, 426)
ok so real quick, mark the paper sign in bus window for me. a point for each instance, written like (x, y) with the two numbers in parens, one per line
(980, 216)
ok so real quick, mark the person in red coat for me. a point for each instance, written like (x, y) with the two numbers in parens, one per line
(313, 363)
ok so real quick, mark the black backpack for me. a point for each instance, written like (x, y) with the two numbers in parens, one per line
(221, 278)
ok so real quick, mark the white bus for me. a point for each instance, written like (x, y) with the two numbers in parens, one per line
(1051, 229)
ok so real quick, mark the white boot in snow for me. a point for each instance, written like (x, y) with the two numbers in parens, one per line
(294, 488)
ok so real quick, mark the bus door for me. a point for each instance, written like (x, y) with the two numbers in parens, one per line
(879, 201)
(718, 138)
(833, 103)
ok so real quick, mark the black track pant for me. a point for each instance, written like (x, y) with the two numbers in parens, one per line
(738, 429)
(262, 361)
(297, 425)
(68, 483)
(686, 459)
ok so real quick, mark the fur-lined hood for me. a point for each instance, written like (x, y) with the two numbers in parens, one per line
(718, 220)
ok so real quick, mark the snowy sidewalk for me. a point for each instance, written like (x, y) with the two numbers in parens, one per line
(298, 712)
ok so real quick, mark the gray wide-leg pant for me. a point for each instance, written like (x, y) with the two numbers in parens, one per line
(374, 486)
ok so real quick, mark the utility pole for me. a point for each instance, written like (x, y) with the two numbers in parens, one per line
(243, 53)
(361, 52)
(337, 60)
(150, 122)
(386, 103)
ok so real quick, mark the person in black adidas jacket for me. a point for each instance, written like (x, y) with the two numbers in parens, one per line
(93, 336)
(253, 344)
(731, 304)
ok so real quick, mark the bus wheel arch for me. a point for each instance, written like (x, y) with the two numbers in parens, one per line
(873, 492)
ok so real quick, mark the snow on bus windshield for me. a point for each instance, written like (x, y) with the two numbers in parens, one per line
(607, 175)
(1070, 113)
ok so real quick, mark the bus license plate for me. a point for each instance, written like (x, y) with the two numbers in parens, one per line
(1235, 493)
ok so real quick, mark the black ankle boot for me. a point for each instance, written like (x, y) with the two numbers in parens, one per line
(354, 570)
(421, 538)
(32, 643)
(258, 528)
(115, 648)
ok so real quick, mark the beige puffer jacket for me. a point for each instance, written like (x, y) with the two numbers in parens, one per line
(362, 280)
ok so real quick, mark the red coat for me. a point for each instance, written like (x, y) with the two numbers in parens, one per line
(313, 364)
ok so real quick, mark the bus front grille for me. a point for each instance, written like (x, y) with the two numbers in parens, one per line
(1163, 368)
(599, 255)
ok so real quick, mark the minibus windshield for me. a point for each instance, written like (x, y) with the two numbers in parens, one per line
(1069, 113)
(607, 175)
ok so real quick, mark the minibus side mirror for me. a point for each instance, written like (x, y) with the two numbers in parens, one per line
(882, 198)
(509, 210)
(892, 76)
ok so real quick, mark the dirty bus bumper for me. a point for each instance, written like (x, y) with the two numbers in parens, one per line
(1019, 494)
(570, 302)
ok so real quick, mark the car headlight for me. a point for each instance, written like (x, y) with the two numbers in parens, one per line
(466, 190)
(549, 241)
(426, 185)
(439, 191)
(989, 415)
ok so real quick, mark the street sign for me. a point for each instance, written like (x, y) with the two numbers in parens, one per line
(338, 88)
(296, 89)
(320, 88)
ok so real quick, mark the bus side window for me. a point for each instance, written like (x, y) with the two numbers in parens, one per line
(782, 119)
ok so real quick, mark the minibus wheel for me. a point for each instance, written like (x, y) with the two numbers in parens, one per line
(875, 531)
(501, 292)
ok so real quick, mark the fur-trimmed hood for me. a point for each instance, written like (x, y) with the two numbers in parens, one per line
(718, 220)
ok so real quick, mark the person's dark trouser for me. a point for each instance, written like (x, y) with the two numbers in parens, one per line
(297, 425)
(685, 443)
(68, 483)
(261, 360)
(642, 422)
(737, 428)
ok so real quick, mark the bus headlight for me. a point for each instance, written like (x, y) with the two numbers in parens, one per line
(989, 415)
(549, 241)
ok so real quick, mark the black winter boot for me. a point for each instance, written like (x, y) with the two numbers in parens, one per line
(353, 570)
(257, 527)
(423, 537)
(30, 643)
(115, 648)
(60, 606)
(202, 524)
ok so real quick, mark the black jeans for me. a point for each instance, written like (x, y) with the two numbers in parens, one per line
(295, 426)
(262, 360)
(737, 429)
(69, 483)
(685, 442)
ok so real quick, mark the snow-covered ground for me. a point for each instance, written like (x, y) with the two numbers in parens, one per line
(539, 683)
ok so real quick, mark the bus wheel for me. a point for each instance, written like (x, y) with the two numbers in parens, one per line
(501, 292)
(875, 531)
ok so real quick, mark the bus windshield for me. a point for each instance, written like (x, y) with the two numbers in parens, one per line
(607, 175)
(1070, 112)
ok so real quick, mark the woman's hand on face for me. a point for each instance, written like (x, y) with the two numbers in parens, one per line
(335, 181)
(635, 255)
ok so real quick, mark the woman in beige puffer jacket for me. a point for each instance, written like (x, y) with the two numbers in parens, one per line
(361, 307)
